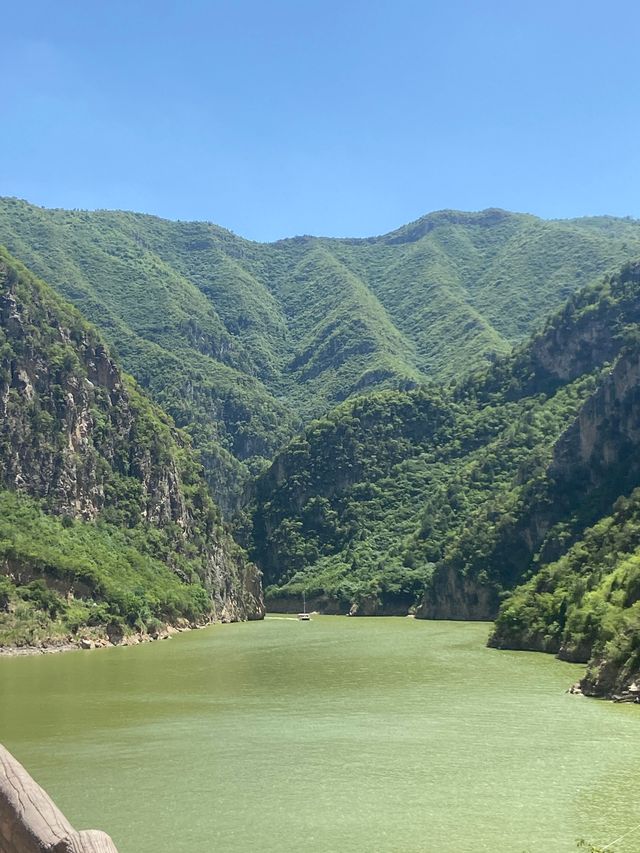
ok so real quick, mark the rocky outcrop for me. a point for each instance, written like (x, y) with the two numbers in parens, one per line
(30, 822)
(593, 462)
(573, 347)
(458, 597)
(65, 410)
(235, 584)
(606, 432)
(613, 680)
(590, 331)
(80, 436)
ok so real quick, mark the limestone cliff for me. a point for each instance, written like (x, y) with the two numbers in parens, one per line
(78, 437)
(602, 442)
(581, 524)
(590, 345)
(452, 595)
(66, 410)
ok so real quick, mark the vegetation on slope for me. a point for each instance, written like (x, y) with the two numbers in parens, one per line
(414, 496)
(364, 507)
(239, 341)
(585, 606)
(136, 535)
(62, 577)
(321, 504)
(589, 465)
(445, 500)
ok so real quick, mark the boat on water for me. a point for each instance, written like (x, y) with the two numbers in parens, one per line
(304, 616)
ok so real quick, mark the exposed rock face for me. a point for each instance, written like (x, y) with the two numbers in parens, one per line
(575, 344)
(594, 461)
(458, 597)
(571, 349)
(596, 454)
(61, 420)
(609, 678)
(235, 584)
(78, 434)
(606, 433)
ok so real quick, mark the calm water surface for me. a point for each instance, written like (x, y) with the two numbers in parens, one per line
(346, 735)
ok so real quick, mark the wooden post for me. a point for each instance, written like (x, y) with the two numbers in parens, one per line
(30, 822)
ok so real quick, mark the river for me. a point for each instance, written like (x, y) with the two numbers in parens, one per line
(369, 735)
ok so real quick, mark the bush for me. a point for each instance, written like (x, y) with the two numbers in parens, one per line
(48, 600)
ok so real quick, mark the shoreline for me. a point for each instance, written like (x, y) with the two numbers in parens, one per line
(88, 643)
(100, 637)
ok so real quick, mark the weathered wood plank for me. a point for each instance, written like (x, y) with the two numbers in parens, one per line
(88, 841)
(30, 822)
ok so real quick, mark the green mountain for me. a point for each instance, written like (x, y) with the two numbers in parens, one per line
(242, 343)
(446, 465)
(106, 523)
(443, 500)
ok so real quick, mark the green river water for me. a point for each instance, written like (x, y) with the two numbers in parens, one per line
(340, 734)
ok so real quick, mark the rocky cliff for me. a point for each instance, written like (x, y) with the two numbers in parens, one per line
(66, 411)
(588, 351)
(591, 463)
(80, 439)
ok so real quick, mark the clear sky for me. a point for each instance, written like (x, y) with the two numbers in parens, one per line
(286, 117)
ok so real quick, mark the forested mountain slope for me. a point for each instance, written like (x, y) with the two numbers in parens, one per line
(243, 342)
(106, 523)
(421, 489)
(447, 499)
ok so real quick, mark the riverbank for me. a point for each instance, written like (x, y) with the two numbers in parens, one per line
(88, 642)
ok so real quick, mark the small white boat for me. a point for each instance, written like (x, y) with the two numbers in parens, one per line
(304, 616)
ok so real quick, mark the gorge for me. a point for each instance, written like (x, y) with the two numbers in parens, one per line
(440, 421)
(377, 733)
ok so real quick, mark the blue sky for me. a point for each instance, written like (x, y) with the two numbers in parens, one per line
(277, 118)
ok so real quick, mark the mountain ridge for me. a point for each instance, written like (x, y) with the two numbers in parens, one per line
(265, 336)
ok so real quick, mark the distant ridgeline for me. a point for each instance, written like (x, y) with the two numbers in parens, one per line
(242, 343)
(106, 523)
(452, 469)
(445, 499)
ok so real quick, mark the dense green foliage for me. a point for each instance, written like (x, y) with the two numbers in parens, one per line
(373, 497)
(136, 535)
(337, 478)
(445, 499)
(67, 576)
(586, 603)
(590, 346)
(239, 341)
(411, 493)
